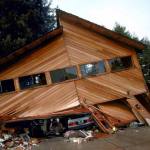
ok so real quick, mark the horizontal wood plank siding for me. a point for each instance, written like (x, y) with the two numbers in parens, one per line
(49, 57)
(118, 110)
(85, 46)
(38, 102)
(111, 86)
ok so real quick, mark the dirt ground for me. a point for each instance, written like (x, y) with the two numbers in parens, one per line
(128, 139)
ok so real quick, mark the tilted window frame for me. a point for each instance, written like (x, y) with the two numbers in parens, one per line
(63, 69)
(32, 85)
(78, 73)
(121, 69)
(95, 74)
(1, 86)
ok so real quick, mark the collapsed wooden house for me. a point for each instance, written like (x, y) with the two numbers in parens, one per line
(78, 67)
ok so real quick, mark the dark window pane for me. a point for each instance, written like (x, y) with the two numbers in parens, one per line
(92, 68)
(120, 63)
(32, 81)
(57, 75)
(101, 67)
(7, 86)
(63, 74)
(70, 73)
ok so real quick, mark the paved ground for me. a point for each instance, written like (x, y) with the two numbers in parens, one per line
(129, 139)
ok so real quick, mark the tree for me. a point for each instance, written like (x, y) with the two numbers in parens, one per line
(123, 30)
(143, 57)
(145, 60)
(22, 21)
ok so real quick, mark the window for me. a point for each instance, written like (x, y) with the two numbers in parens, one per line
(120, 63)
(92, 68)
(7, 86)
(32, 81)
(61, 75)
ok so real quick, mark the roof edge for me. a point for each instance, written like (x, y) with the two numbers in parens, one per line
(101, 30)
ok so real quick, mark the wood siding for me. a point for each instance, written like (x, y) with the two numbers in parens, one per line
(38, 102)
(74, 47)
(49, 57)
(118, 110)
(85, 46)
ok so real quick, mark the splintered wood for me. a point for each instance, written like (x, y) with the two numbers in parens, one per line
(100, 118)
(139, 111)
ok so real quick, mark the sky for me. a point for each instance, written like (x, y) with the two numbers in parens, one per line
(134, 14)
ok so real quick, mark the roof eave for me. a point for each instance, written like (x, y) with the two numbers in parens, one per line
(101, 30)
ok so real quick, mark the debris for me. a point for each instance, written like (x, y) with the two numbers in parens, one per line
(136, 131)
(76, 140)
(14, 141)
(9, 143)
(55, 127)
(114, 129)
(79, 136)
(7, 136)
(34, 141)
(73, 133)
(25, 137)
(136, 124)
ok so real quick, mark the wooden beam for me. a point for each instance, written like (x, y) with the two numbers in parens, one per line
(99, 117)
(79, 72)
(108, 69)
(16, 83)
(138, 109)
(48, 77)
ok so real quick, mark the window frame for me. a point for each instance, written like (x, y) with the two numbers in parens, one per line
(59, 82)
(123, 69)
(97, 74)
(79, 75)
(14, 89)
(32, 86)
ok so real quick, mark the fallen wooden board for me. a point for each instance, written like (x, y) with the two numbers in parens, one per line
(119, 111)
(138, 109)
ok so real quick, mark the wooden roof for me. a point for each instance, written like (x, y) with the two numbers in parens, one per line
(101, 30)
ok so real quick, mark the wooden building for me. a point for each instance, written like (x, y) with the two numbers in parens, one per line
(77, 61)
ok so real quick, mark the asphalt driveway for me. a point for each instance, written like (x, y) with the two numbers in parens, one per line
(128, 139)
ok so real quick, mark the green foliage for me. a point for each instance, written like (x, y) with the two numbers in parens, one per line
(143, 57)
(123, 30)
(22, 21)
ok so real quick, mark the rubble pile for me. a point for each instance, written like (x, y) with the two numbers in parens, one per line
(11, 140)
(78, 136)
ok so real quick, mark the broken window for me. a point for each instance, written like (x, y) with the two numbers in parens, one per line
(92, 68)
(61, 75)
(7, 86)
(32, 81)
(120, 63)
